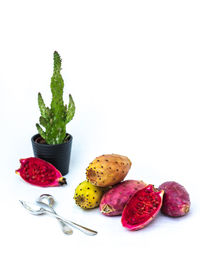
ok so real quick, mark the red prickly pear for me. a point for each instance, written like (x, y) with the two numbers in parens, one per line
(114, 200)
(39, 172)
(176, 200)
(142, 208)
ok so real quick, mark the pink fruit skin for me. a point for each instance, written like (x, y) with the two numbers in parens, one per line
(40, 173)
(114, 200)
(176, 200)
(142, 208)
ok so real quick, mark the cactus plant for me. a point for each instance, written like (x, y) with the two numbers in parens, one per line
(55, 118)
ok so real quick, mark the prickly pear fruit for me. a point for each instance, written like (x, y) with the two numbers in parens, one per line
(39, 172)
(88, 196)
(142, 207)
(114, 200)
(176, 200)
(107, 170)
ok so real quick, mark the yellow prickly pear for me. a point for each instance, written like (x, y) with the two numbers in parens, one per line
(88, 196)
(107, 170)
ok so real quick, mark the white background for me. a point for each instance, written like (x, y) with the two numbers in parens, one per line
(133, 69)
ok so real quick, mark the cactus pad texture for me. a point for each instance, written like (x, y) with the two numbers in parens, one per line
(55, 118)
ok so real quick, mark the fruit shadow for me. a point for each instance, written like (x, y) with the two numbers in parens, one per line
(162, 221)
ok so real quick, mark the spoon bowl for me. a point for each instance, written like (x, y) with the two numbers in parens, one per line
(33, 208)
(47, 199)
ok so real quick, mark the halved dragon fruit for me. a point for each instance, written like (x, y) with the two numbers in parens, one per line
(39, 172)
(142, 208)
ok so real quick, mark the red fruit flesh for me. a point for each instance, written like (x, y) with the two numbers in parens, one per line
(176, 200)
(114, 200)
(142, 208)
(39, 172)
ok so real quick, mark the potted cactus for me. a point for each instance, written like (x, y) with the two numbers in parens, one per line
(52, 143)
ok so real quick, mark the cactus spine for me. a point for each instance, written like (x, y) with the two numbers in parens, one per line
(55, 118)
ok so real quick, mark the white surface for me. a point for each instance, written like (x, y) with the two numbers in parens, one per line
(133, 70)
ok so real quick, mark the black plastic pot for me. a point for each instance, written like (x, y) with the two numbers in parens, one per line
(58, 155)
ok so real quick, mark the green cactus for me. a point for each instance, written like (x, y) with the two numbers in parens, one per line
(55, 118)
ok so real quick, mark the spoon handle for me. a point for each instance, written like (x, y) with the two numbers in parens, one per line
(65, 228)
(85, 230)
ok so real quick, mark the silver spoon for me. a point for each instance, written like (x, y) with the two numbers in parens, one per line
(48, 200)
(36, 210)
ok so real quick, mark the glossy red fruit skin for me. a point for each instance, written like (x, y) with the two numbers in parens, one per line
(142, 208)
(40, 173)
(176, 200)
(114, 200)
